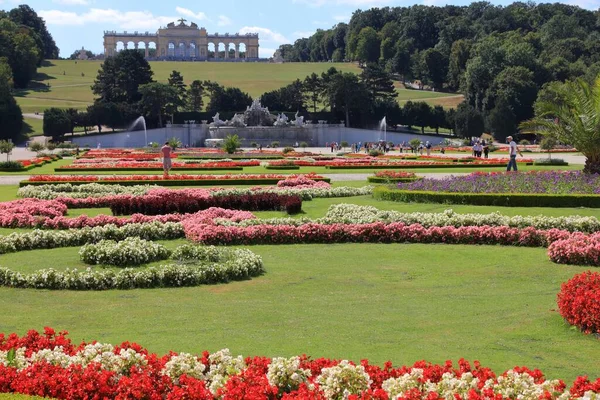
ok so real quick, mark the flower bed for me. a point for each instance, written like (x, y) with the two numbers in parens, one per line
(393, 177)
(543, 182)
(50, 365)
(128, 252)
(579, 249)
(579, 301)
(172, 180)
(194, 267)
(118, 165)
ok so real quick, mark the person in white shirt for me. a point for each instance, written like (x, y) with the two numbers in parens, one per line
(512, 152)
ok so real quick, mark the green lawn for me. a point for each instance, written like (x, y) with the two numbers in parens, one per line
(70, 81)
(398, 302)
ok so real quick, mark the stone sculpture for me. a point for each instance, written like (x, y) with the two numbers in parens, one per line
(298, 121)
(217, 121)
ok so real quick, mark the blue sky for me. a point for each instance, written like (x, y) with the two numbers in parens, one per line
(80, 23)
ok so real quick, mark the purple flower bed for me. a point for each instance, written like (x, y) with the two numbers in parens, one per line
(550, 182)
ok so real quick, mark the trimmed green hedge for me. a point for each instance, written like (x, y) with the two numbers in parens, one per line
(173, 182)
(146, 169)
(457, 165)
(550, 161)
(282, 167)
(489, 199)
(377, 179)
(232, 156)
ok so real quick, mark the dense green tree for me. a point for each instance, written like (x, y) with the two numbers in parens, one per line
(225, 99)
(502, 120)
(56, 123)
(120, 77)
(26, 16)
(515, 85)
(368, 46)
(20, 49)
(459, 55)
(468, 122)
(346, 93)
(573, 120)
(11, 118)
(176, 81)
(156, 97)
(313, 87)
(378, 82)
(435, 68)
(438, 118)
(288, 98)
(195, 96)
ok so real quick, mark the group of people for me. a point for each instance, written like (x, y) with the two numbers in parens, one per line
(481, 147)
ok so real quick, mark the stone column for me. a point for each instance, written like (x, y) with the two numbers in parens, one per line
(147, 52)
(226, 55)
(125, 45)
(237, 51)
(135, 45)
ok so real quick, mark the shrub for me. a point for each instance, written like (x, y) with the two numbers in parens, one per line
(174, 143)
(375, 153)
(579, 301)
(11, 165)
(231, 143)
(254, 145)
(36, 147)
(489, 199)
(304, 145)
(51, 146)
(6, 147)
(275, 144)
(550, 161)
(524, 142)
(287, 150)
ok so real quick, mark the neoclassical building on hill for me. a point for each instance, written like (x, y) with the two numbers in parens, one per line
(185, 42)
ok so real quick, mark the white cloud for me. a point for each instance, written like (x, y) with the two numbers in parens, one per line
(265, 52)
(265, 34)
(200, 16)
(124, 20)
(224, 21)
(72, 2)
(587, 4)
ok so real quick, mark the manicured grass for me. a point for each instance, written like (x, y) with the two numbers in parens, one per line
(398, 302)
(70, 81)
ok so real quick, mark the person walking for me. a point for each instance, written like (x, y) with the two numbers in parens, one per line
(428, 147)
(166, 153)
(512, 152)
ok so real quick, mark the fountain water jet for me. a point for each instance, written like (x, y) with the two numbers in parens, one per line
(135, 123)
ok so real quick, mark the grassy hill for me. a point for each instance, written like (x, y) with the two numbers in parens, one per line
(70, 82)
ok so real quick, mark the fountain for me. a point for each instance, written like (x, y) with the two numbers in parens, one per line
(135, 123)
(257, 115)
(383, 127)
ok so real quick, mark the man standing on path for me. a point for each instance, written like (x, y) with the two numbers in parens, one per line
(166, 153)
(512, 152)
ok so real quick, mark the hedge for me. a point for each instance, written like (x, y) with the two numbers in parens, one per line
(171, 182)
(282, 167)
(489, 199)
(387, 166)
(147, 169)
(377, 179)
(232, 157)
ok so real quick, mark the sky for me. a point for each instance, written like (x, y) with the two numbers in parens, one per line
(81, 23)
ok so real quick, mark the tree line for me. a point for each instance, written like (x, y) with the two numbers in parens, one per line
(24, 44)
(499, 57)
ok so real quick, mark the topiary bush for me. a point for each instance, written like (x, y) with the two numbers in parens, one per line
(550, 161)
(579, 301)
(287, 150)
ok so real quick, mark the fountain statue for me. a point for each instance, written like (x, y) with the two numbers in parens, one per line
(282, 120)
(298, 121)
(217, 121)
(257, 115)
(237, 121)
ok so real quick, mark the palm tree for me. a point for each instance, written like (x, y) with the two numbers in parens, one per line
(573, 119)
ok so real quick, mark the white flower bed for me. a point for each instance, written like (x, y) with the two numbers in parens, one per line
(342, 380)
(286, 374)
(45, 239)
(128, 252)
(52, 191)
(353, 214)
(231, 264)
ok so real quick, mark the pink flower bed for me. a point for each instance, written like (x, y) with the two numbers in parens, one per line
(154, 377)
(377, 232)
(118, 164)
(302, 182)
(578, 249)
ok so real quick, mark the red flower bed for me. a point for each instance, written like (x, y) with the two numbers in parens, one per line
(157, 165)
(95, 178)
(579, 302)
(164, 201)
(395, 174)
(156, 377)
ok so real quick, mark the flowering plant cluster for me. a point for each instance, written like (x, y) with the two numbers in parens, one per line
(394, 174)
(301, 180)
(128, 252)
(95, 178)
(51, 365)
(578, 249)
(155, 165)
(579, 301)
(52, 191)
(550, 182)
(214, 265)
